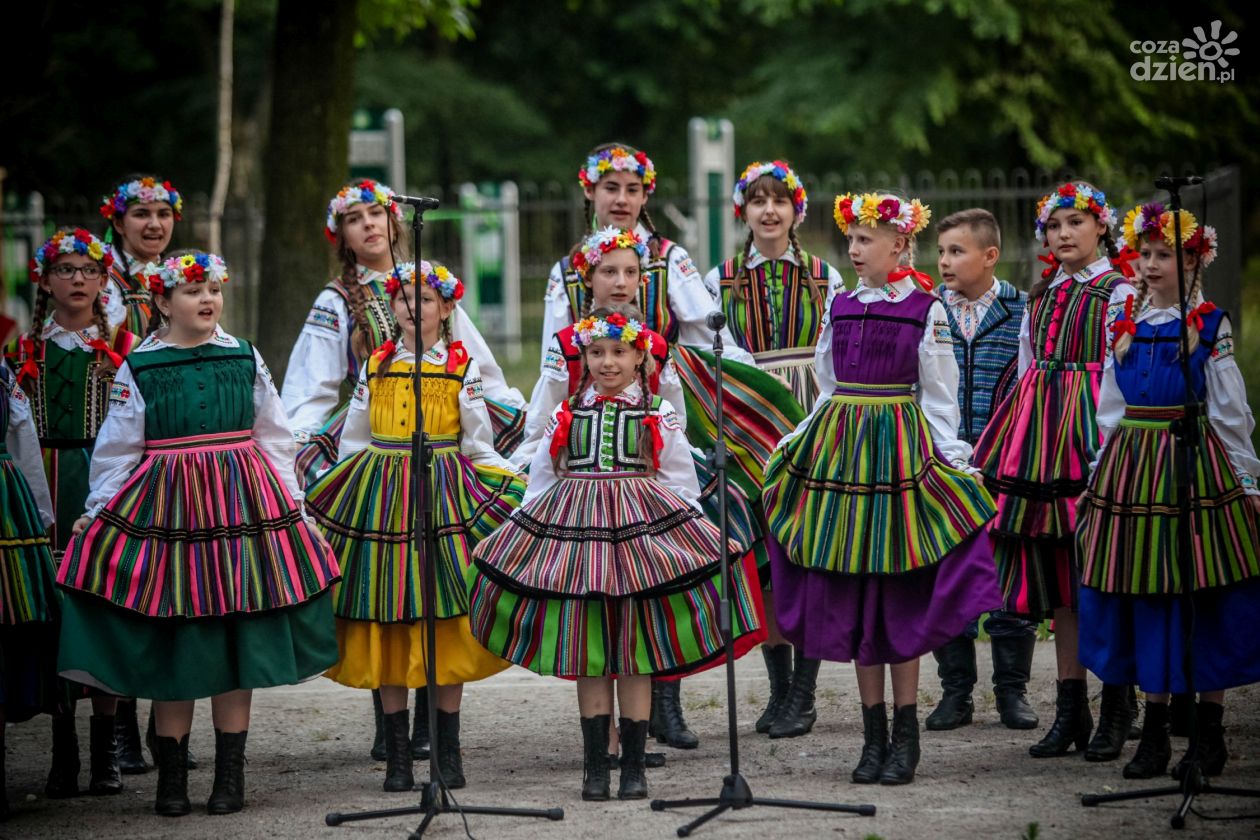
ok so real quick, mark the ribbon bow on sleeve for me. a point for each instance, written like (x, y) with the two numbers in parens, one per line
(653, 425)
(99, 345)
(30, 367)
(560, 437)
(903, 271)
(1124, 324)
(456, 355)
(1052, 263)
(1122, 261)
(1195, 318)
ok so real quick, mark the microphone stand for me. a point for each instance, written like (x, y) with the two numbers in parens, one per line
(1193, 783)
(735, 794)
(435, 796)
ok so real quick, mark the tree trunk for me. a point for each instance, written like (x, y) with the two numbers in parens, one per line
(223, 160)
(305, 162)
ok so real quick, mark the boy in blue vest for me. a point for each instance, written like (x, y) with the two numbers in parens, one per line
(984, 317)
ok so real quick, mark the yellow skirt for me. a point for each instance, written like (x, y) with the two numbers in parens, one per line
(371, 654)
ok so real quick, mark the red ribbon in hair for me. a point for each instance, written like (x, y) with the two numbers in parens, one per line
(1122, 260)
(903, 271)
(456, 355)
(560, 437)
(99, 345)
(653, 424)
(384, 351)
(1195, 318)
(30, 367)
(1053, 265)
(1124, 325)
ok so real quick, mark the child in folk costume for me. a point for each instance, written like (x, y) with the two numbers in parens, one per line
(351, 317)
(141, 212)
(773, 294)
(28, 597)
(610, 569)
(984, 318)
(194, 573)
(617, 181)
(884, 552)
(364, 504)
(1036, 451)
(1132, 572)
(65, 364)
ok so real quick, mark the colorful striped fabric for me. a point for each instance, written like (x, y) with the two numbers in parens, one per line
(319, 453)
(27, 593)
(203, 527)
(363, 505)
(862, 491)
(135, 296)
(652, 297)
(1130, 519)
(777, 307)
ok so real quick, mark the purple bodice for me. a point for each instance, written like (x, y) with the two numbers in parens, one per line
(878, 343)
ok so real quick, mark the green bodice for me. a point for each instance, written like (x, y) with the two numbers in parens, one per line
(195, 390)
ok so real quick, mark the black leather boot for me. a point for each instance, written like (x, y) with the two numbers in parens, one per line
(1012, 665)
(779, 669)
(595, 766)
(106, 779)
(398, 773)
(420, 727)
(633, 784)
(172, 782)
(63, 776)
(1072, 722)
(127, 734)
(903, 750)
(666, 721)
(150, 740)
(1154, 749)
(228, 794)
(1212, 751)
(1135, 725)
(450, 761)
(956, 666)
(1113, 725)
(378, 718)
(797, 714)
(874, 745)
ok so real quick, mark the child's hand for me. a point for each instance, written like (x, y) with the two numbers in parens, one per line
(320, 539)
(80, 524)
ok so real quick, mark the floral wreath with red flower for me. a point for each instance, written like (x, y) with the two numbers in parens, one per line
(779, 170)
(870, 209)
(1153, 221)
(366, 191)
(193, 267)
(141, 191)
(69, 241)
(1073, 196)
(604, 241)
(617, 327)
(435, 275)
(618, 159)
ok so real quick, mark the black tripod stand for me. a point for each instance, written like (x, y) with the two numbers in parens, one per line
(435, 796)
(1193, 783)
(735, 793)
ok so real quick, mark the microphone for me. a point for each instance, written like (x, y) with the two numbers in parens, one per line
(715, 321)
(1167, 182)
(421, 203)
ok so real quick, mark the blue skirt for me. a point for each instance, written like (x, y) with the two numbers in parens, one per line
(1136, 639)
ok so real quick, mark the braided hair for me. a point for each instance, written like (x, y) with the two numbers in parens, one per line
(43, 303)
(359, 297)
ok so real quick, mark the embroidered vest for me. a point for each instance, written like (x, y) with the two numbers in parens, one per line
(878, 343)
(196, 390)
(1150, 372)
(777, 307)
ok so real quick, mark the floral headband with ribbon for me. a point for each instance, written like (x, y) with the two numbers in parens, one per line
(141, 191)
(779, 170)
(616, 326)
(870, 209)
(618, 159)
(366, 191)
(438, 277)
(1153, 221)
(604, 241)
(197, 267)
(69, 241)
(1074, 196)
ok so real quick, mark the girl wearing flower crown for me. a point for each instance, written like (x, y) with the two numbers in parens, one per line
(1036, 450)
(66, 363)
(617, 181)
(609, 569)
(884, 555)
(772, 293)
(141, 212)
(1130, 598)
(364, 506)
(193, 572)
(28, 601)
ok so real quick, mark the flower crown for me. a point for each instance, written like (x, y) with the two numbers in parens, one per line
(366, 191)
(1152, 221)
(616, 326)
(76, 241)
(437, 276)
(1076, 196)
(602, 242)
(141, 191)
(618, 159)
(197, 267)
(775, 169)
(908, 217)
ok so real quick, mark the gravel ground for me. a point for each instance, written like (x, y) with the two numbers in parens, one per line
(308, 751)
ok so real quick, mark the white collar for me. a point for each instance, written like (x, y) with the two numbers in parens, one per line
(367, 275)
(756, 258)
(1089, 272)
(986, 297)
(218, 338)
(632, 394)
(893, 291)
(52, 328)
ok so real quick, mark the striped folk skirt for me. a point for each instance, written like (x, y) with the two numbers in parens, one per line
(879, 552)
(202, 553)
(1035, 455)
(608, 574)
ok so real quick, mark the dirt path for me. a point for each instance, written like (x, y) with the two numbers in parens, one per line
(308, 755)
